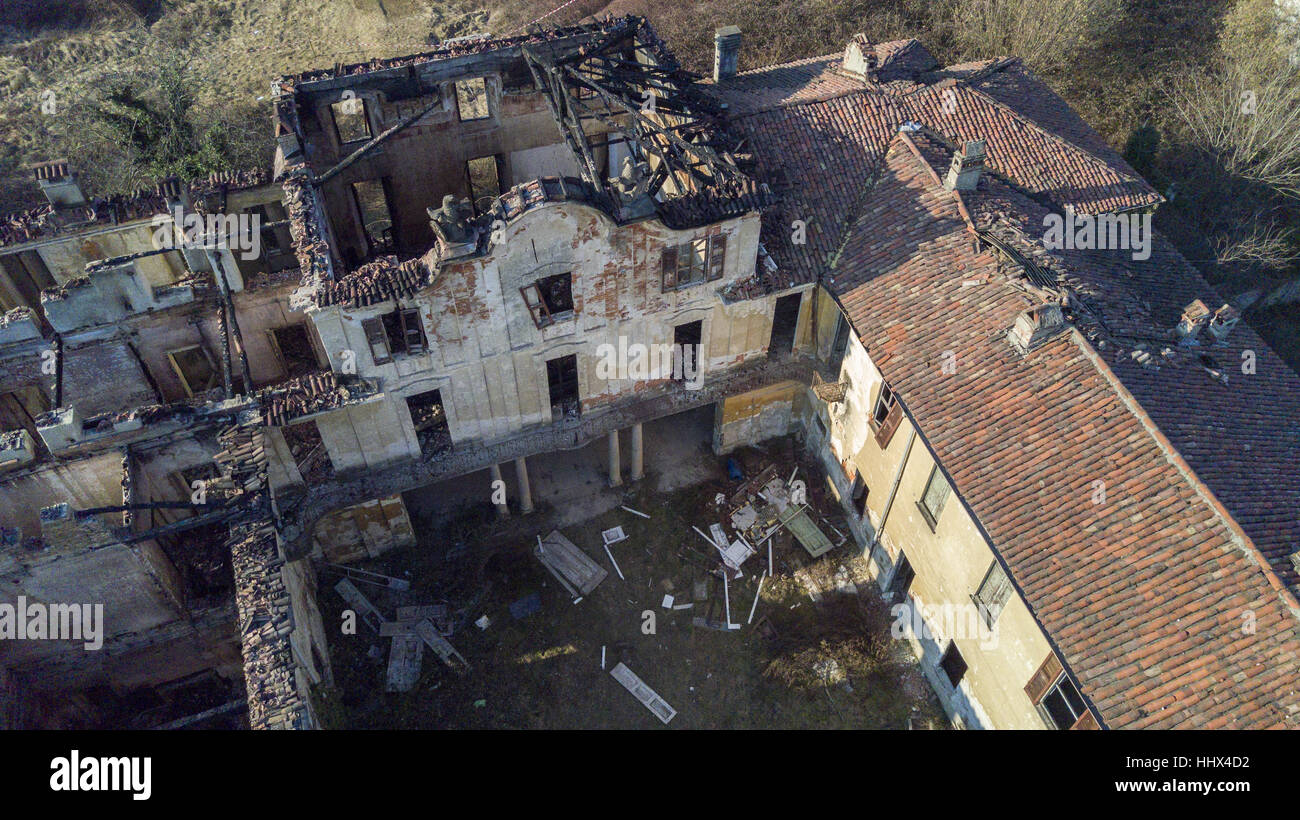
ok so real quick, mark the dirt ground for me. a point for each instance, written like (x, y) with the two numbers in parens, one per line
(801, 664)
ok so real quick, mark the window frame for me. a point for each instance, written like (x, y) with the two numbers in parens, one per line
(180, 373)
(539, 310)
(376, 332)
(365, 119)
(952, 652)
(987, 611)
(1076, 706)
(487, 99)
(678, 262)
(932, 516)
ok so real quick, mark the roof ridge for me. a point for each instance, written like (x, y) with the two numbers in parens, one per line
(1096, 160)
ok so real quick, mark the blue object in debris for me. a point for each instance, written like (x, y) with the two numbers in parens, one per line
(526, 606)
(733, 470)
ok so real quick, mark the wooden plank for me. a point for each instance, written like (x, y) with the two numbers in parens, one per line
(648, 697)
(372, 617)
(570, 564)
(440, 645)
(810, 537)
(404, 660)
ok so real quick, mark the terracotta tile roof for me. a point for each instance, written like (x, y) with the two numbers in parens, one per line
(1036, 159)
(305, 395)
(376, 281)
(819, 158)
(1241, 437)
(813, 78)
(1146, 594)
(818, 138)
(44, 221)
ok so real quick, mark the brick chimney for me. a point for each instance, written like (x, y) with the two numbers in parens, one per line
(1223, 321)
(1035, 326)
(59, 184)
(1190, 323)
(726, 52)
(967, 165)
(860, 59)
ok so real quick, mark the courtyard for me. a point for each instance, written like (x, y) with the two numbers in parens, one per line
(813, 651)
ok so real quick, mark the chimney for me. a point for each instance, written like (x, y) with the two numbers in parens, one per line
(59, 184)
(1035, 326)
(726, 52)
(1190, 323)
(967, 164)
(1223, 321)
(860, 58)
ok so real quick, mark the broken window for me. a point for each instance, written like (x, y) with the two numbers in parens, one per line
(953, 664)
(399, 331)
(429, 418)
(901, 581)
(686, 350)
(785, 319)
(859, 495)
(308, 451)
(269, 239)
(993, 594)
(550, 299)
(194, 368)
(351, 123)
(886, 415)
(484, 182)
(371, 197)
(936, 494)
(562, 382)
(694, 262)
(472, 99)
(377, 339)
(884, 403)
(292, 345)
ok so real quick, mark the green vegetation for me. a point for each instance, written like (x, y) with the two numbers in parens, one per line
(1165, 81)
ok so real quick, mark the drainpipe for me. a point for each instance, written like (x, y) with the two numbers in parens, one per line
(893, 490)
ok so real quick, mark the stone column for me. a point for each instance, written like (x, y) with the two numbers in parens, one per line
(525, 493)
(638, 462)
(502, 508)
(615, 471)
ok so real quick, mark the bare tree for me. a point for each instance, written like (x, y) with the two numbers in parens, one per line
(1045, 33)
(1250, 124)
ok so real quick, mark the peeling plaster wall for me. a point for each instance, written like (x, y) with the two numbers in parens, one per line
(950, 561)
(488, 358)
(67, 257)
(363, 531)
(758, 415)
(368, 436)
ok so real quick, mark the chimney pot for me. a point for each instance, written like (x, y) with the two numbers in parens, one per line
(726, 52)
(59, 184)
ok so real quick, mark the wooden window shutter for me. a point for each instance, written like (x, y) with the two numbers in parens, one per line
(717, 256)
(670, 268)
(377, 338)
(1043, 678)
(536, 306)
(890, 424)
(1086, 721)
